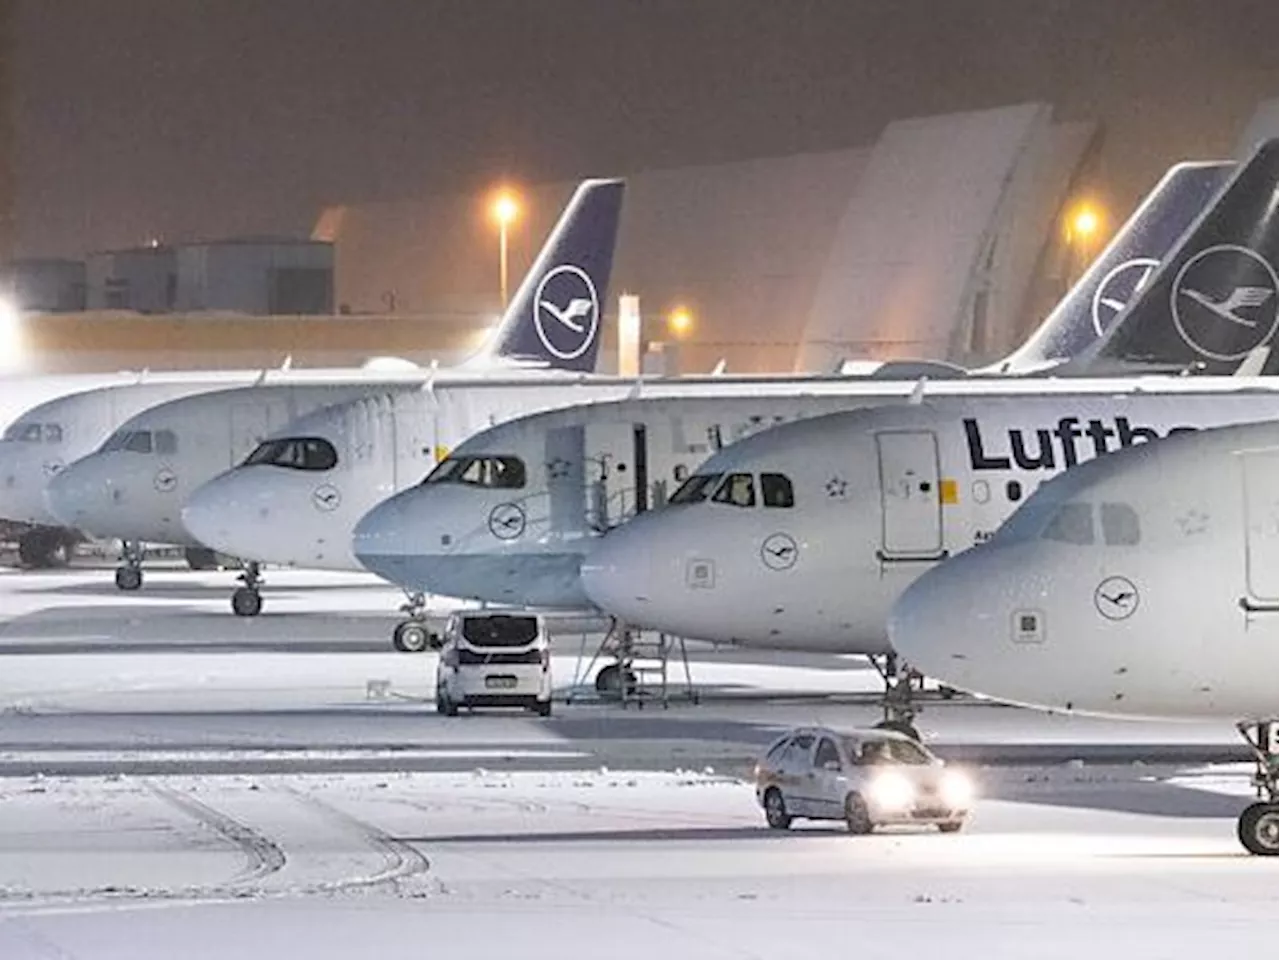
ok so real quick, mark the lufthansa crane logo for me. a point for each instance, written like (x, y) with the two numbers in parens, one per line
(779, 551)
(506, 521)
(566, 311)
(1223, 302)
(326, 497)
(1118, 287)
(165, 480)
(1116, 598)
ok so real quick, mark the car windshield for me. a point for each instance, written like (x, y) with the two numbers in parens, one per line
(296, 453)
(886, 752)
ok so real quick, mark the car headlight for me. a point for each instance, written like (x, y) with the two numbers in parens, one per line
(892, 791)
(956, 789)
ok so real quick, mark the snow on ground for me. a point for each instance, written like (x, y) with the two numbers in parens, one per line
(599, 863)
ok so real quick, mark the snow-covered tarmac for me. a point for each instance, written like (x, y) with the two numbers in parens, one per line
(176, 783)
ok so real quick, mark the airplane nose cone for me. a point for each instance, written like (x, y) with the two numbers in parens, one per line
(624, 573)
(214, 516)
(78, 494)
(385, 540)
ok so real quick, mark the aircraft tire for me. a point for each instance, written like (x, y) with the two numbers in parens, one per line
(1259, 829)
(900, 726)
(246, 602)
(409, 636)
(128, 579)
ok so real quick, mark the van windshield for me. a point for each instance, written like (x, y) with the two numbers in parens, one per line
(499, 631)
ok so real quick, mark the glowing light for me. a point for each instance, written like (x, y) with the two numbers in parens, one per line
(680, 322)
(505, 207)
(1084, 223)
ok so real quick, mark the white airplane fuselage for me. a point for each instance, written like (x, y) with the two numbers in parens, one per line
(880, 496)
(1145, 585)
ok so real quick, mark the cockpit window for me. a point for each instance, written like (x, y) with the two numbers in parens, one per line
(139, 441)
(166, 442)
(1072, 523)
(737, 489)
(1120, 527)
(696, 489)
(34, 432)
(775, 490)
(295, 453)
(500, 473)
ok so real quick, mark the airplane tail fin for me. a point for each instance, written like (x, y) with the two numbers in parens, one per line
(1211, 307)
(1087, 310)
(554, 317)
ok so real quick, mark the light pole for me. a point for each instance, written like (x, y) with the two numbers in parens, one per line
(505, 210)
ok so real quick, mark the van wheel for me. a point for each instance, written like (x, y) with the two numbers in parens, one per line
(951, 826)
(775, 810)
(857, 818)
(543, 708)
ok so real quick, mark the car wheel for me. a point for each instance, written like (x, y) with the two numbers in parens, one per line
(1258, 829)
(775, 810)
(951, 826)
(857, 818)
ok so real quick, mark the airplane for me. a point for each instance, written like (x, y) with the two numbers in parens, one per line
(50, 421)
(133, 486)
(228, 512)
(734, 613)
(1143, 583)
(520, 535)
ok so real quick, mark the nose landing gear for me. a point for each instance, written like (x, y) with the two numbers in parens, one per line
(899, 704)
(1259, 827)
(129, 573)
(411, 635)
(247, 600)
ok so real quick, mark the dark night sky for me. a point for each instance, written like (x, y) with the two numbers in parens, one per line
(188, 118)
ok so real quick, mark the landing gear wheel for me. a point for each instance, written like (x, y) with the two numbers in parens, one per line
(409, 636)
(609, 680)
(128, 579)
(1259, 829)
(857, 818)
(775, 810)
(903, 727)
(951, 826)
(246, 602)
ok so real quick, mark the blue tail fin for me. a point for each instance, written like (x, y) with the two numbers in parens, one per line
(554, 318)
(1128, 262)
(1213, 301)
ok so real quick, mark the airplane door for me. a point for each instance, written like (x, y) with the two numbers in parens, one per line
(1261, 518)
(566, 479)
(910, 504)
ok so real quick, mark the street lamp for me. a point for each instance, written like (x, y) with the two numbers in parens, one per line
(505, 210)
(680, 322)
(1084, 226)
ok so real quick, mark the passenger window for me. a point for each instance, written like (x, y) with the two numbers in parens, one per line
(825, 754)
(737, 489)
(52, 433)
(139, 441)
(166, 442)
(696, 489)
(1073, 523)
(1120, 527)
(775, 490)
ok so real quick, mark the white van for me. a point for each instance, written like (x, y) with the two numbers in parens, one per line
(494, 660)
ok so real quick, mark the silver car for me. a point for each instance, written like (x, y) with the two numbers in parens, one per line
(867, 778)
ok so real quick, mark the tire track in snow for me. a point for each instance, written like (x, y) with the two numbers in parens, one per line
(264, 856)
(403, 860)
